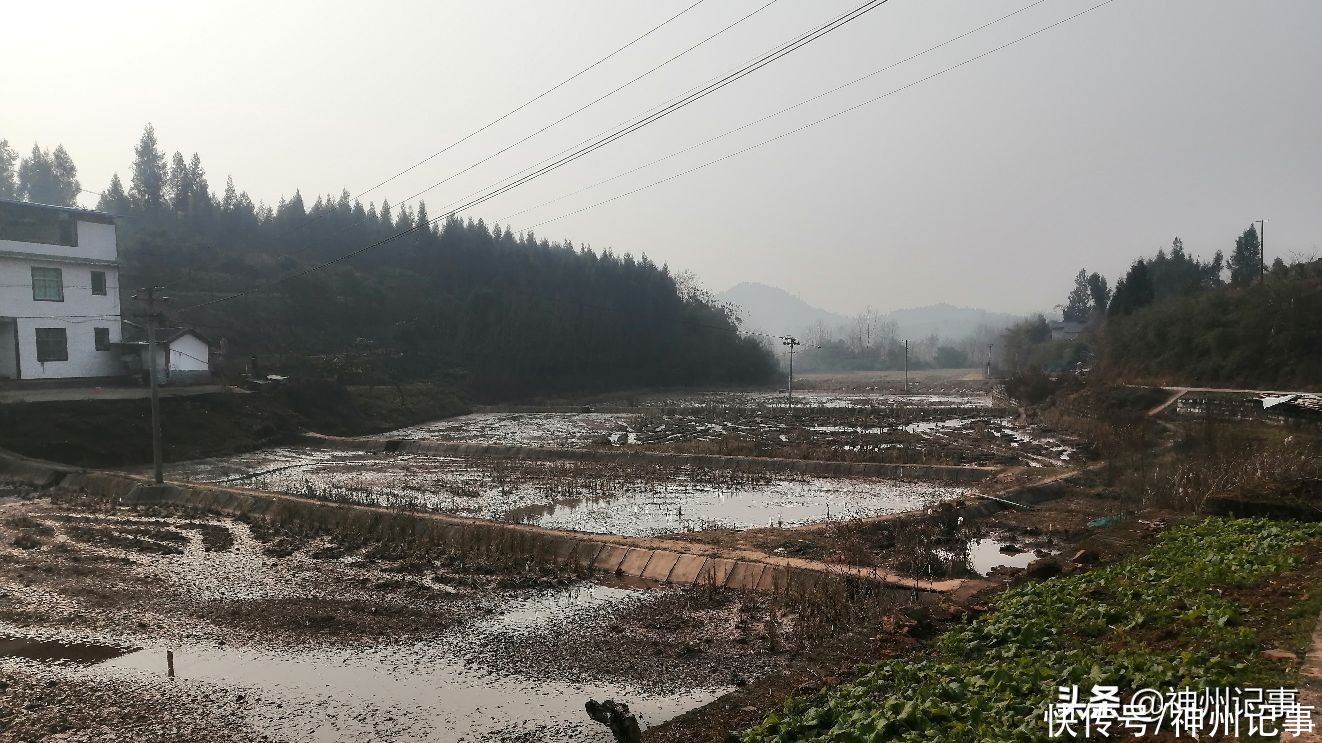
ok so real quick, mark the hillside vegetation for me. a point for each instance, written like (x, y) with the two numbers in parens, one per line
(1266, 335)
(500, 313)
(1174, 319)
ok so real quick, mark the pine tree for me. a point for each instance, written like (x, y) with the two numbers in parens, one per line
(180, 184)
(1134, 291)
(113, 199)
(1077, 307)
(37, 180)
(66, 177)
(201, 189)
(424, 224)
(1100, 292)
(147, 187)
(231, 199)
(1246, 260)
(403, 219)
(8, 173)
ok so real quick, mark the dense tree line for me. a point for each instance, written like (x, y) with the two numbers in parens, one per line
(43, 176)
(1179, 319)
(511, 313)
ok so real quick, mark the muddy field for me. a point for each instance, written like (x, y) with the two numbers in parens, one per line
(160, 624)
(611, 498)
(178, 626)
(949, 428)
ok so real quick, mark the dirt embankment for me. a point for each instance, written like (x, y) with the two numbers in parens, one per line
(113, 433)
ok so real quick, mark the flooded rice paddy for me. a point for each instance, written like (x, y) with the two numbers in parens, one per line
(927, 429)
(821, 399)
(582, 496)
(305, 647)
(522, 429)
(447, 688)
(645, 499)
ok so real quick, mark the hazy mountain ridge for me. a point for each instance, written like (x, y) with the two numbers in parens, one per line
(771, 310)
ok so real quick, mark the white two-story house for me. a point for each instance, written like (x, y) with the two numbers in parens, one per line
(59, 293)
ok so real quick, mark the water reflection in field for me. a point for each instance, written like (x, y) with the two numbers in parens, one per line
(584, 496)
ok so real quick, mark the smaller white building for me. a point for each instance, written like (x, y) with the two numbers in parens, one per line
(183, 356)
(1066, 330)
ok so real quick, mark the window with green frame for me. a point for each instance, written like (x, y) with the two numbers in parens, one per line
(47, 284)
(52, 345)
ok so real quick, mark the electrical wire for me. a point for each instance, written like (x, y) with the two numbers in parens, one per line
(813, 123)
(785, 110)
(817, 33)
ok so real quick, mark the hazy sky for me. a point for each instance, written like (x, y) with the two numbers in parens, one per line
(988, 186)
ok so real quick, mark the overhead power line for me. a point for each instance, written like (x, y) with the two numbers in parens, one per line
(531, 101)
(818, 121)
(627, 122)
(558, 121)
(591, 103)
(785, 110)
(817, 33)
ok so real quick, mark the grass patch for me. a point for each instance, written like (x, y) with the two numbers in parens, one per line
(1179, 615)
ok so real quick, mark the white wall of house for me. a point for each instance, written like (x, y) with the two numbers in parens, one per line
(79, 313)
(188, 353)
(96, 241)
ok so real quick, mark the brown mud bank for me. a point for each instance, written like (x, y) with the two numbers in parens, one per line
(112, 433)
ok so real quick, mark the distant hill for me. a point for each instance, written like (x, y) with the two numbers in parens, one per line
(767, 309)
(947, 320)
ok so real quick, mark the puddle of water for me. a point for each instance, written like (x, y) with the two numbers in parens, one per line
(554, 608)
(985, 554)
(521, 429)
(58, 651)
(781, 503)
(823, 399)
(455, 687)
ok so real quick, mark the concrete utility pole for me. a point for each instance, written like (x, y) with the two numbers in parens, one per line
(791, 342)
(1262, 249)
(989, 350)
(906, 367)
(149, 294)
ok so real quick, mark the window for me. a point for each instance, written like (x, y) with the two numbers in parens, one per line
(25, 223)
(102, 338)
(52, 345)
(99, 282)
(47, 285)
